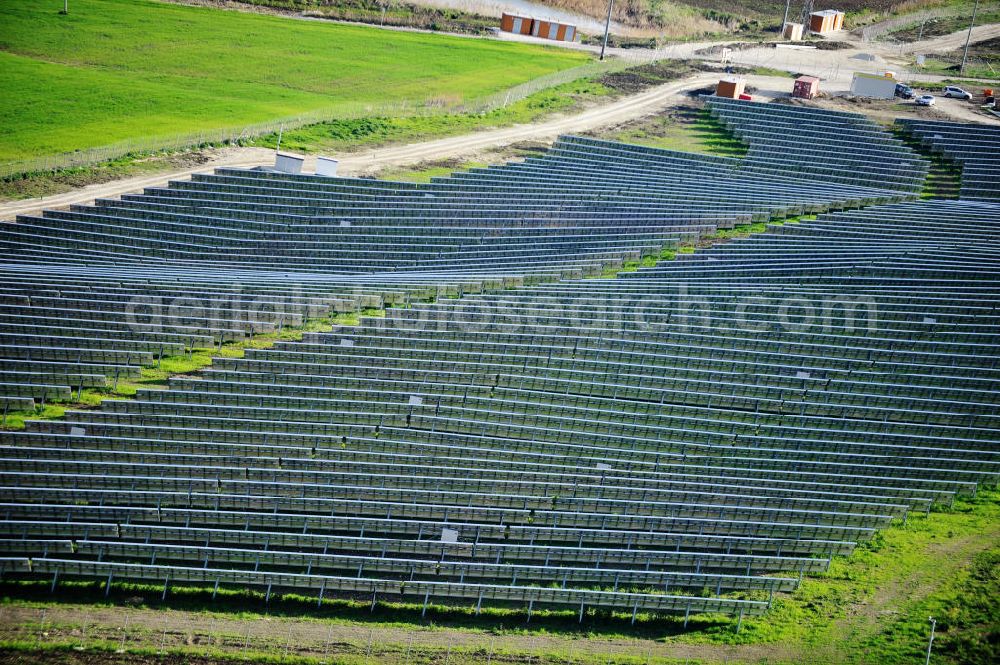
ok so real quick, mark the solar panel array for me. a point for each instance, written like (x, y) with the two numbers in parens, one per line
(686, 437)
(973, 147)
(829, 146)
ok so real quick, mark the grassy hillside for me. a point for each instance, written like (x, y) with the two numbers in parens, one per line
(647, 21)
(737, 15)
(118, 69)
(383, 12)
(983, 61)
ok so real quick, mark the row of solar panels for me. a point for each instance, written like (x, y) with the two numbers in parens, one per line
(972, 147)
(690, 439)
(402, 425)
(585, 205)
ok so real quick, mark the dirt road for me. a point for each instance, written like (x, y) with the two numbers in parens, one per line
(627, 108)
(955, 40)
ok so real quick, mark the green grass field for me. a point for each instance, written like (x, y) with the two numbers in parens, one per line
(983, 62)
(114, 70)
(683, 128)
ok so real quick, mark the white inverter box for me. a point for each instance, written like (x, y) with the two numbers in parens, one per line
(873, 85)
(326, 166)
(285, 163)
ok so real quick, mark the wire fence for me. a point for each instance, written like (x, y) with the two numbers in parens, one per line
(345, 111)
(883, 29)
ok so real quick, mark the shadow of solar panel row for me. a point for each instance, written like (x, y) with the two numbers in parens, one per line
(972, 147)
(688, 437)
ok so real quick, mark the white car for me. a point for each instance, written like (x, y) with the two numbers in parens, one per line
(925, 100)
(957, 93)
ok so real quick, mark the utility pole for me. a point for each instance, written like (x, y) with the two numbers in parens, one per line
(968, 38)
(65, 7)
(607, 27)
(807, 8)
(788, 5)
(927, 661)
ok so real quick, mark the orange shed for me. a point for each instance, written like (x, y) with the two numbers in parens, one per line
(730, 87)
(806, 87)
(792, 32)
(551, 30)
(826, 21)
(519, 25)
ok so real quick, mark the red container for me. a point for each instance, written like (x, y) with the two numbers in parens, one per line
(806, 87)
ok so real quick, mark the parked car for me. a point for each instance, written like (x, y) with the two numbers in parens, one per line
(904, 91)
(957, 93)
(925, 100)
